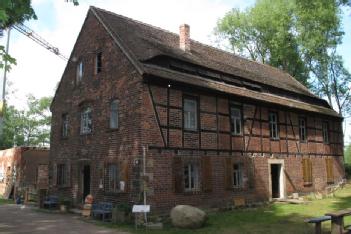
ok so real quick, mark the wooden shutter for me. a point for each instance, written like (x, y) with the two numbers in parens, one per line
(54, 174)
(307, 171)
(206, 174)
(125, 174)
(228, 165)
(178, 174)
(330, 175)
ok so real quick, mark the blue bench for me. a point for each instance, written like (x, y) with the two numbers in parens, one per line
(51, 201)
(102, 209)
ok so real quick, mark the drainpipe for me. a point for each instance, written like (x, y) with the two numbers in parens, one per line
(144, 176)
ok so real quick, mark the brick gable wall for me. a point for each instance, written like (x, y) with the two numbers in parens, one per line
(117, 80)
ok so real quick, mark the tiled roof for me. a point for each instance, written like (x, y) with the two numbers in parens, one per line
(143, 42)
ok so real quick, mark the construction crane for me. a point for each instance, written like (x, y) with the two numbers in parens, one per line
(38, 39)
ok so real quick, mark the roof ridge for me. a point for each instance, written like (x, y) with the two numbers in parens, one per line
(202, 44)
(134, 20)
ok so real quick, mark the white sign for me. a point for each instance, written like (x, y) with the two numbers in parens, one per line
(141, 209)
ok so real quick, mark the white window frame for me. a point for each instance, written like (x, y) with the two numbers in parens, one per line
(237, 175)
(112, 178)
(114, 114)
(273, 125)
(86, 125)
(190, 115)
(236, 121)
(191, 177)
(325, 131)
(65, 125)
(302, 129)
(79, 72)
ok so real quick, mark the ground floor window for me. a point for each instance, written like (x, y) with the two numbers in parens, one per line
(307, 171)
(330, 173)
(112, 178)
(191, 177)
(237, 175)
(61, 174)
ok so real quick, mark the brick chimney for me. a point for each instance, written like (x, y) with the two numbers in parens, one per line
(184, 37)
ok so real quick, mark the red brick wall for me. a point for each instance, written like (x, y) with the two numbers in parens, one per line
(117, 80)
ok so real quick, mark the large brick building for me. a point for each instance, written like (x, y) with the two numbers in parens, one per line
(212, 126)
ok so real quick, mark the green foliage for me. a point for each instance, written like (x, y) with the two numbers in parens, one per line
(29, 127)
(297, 36)
(14, 12)
(347, 154)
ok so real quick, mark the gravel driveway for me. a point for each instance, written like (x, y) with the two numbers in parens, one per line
(23, 219)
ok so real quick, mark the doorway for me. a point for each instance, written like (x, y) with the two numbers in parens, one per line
(275, 177)
(86, 181)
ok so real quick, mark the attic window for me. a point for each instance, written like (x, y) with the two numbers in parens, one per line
(79, 72)
(98, 62)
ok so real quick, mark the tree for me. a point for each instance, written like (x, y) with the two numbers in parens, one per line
(347, 154)
(299, 37)
(30, 127)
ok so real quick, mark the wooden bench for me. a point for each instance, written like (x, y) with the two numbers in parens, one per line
(337, 220)
(50, 201)
(318, 223)
(103, 209)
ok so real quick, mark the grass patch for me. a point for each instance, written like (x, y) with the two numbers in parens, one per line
(6, 201)
(275, 218)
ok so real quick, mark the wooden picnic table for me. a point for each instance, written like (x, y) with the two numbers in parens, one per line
(337, 220)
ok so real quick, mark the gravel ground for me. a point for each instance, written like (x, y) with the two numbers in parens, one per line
(25, 219)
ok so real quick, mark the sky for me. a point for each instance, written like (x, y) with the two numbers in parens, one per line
(38, 71)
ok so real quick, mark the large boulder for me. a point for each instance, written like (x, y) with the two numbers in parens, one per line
(184, 216)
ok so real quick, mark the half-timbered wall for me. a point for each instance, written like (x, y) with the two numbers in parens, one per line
(215, 144)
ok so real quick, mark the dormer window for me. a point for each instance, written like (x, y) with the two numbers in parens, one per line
(79, 72)
(98, 63)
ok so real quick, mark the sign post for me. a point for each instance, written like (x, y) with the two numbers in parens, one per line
(139, 210)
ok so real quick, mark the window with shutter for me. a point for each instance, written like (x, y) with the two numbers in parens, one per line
(206, 174)
(307, 171)
(177, 174)
(330, 174)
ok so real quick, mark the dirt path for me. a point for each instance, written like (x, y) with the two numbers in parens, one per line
(22, 219)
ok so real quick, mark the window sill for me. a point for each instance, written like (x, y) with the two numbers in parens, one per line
(112, 130)
(237, 134)
(191, 130)
(275, 139)
(64, 138)
(307, 184)
(192, 192)
(112, 193)
(63, 186)
(330, 182)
